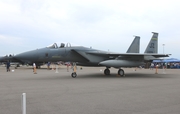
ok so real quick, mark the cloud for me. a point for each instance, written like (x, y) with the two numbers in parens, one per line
(10, 40)
(93, 23)
(11, 44)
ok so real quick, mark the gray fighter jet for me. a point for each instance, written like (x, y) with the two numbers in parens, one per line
(90, 57)
(134, 48)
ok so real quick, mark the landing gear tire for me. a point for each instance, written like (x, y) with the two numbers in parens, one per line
(121, 72)
(107, 72)
(74, 75)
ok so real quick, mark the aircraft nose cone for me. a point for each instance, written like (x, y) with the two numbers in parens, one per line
(27, 56)
(23, 56)
(19, 56)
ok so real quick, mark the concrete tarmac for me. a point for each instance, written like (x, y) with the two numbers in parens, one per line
(91, 92)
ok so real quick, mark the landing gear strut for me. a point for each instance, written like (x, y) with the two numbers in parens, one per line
(107, 71)
(121, 72)
(74, 71)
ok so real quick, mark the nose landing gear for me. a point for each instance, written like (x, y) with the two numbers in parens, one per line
(74, 75)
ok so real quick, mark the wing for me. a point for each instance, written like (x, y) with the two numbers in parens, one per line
(96, 58)
(124, 56)
(81, 55)
(130, 54)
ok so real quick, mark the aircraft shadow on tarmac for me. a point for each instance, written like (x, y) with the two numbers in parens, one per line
(128, 75)
(102, 76)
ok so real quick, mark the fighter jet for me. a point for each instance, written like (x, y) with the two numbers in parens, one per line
(134, 48)
(89, 57)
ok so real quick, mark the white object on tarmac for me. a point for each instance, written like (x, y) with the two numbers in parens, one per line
(23, 103)
(57, 69)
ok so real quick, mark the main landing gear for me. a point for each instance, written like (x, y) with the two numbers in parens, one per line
(120, 72)
(107, 71)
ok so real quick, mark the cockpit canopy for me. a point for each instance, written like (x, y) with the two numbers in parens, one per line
(62, 45)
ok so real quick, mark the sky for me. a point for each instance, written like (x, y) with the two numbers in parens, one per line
(101, 24)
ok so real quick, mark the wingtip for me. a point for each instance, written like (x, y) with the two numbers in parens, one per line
(155, 33)
(136, 36)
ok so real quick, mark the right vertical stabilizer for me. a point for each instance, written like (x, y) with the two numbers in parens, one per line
(135, 45)
(153, 44)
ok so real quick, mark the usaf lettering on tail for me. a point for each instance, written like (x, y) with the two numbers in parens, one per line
(153, 44)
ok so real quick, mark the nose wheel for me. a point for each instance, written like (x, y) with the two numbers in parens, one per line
(74, 74)
(121, 72)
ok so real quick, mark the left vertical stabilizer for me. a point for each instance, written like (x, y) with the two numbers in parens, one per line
(135, 45)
